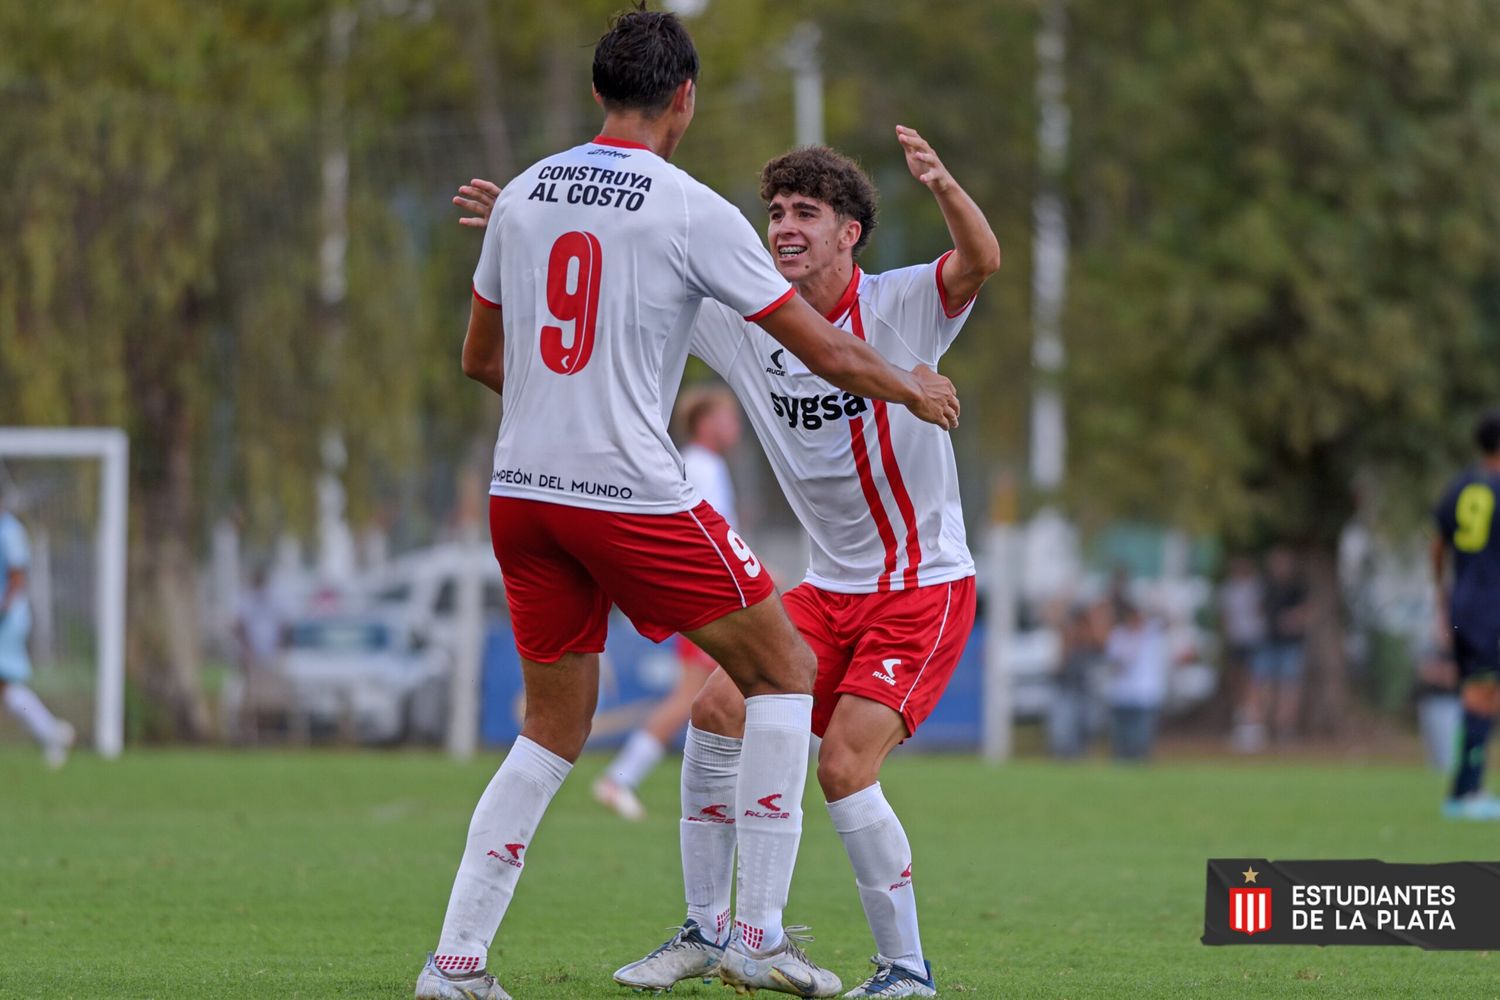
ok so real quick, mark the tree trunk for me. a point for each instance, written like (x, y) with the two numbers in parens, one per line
(167, 614)
(1325, 693)
(494, 131)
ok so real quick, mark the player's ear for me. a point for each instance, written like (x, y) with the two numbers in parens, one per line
(684, 97)
(849, 234)
(599, 100)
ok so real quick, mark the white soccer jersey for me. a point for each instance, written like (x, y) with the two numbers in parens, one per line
(600, 257)
(876, 488)
(709, 474)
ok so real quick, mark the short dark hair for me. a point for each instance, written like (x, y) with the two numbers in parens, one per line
(642, 59)
(1487, 432)
(829, 176)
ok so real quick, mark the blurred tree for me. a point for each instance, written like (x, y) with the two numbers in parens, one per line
(1286, 276)
(962, 75)
(161, 230)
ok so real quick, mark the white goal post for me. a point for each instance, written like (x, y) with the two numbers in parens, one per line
(112, 448)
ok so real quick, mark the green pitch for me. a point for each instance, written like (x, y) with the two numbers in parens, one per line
(180, 874)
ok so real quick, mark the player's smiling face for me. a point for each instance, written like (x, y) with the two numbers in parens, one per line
(807, 236)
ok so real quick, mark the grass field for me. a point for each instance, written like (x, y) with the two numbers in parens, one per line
(203, 874)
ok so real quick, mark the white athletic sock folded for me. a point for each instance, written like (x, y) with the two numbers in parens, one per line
(710, 772)
(635, 760)
(26, 706)
(500, 836)
(768, 811)
(881, 856)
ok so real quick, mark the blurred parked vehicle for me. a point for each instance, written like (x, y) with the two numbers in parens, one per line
(420, 590)
(354, 677)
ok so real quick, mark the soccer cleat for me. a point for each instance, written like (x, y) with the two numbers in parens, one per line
(434, 984)
(55, 750)
(619, 799)
(892, 980)
(785, 970)
(1480, 806)
(686, 955)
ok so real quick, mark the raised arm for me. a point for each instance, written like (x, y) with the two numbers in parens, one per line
(976, 252)
(855, 366)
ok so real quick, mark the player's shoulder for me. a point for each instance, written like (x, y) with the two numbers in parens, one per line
(896, 278)
(1467, 477)
(699, 196)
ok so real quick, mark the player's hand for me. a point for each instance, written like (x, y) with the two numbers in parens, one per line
(922, 161)
(477, 197)
(938, 401)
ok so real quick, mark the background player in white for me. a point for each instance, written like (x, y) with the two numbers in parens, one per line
(53, 734)
(889, 598)
(595, 265)
(711, 419)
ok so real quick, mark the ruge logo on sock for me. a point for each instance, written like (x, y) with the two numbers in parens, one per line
(772, 808)
(515, 855)
(713, 814)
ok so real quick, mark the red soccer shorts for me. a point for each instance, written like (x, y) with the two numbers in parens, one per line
(898, 648)
(563, 567)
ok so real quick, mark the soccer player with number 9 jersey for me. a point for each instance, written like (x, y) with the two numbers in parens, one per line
(1469, 614)
(595, 265)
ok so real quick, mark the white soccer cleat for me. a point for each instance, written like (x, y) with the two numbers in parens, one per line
(686, 955)
(434, 984)
(892, 980)
(55, 750)
(619, 800)
(785, 970)
(1480, 806)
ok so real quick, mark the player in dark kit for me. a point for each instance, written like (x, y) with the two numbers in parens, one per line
(1470, 613)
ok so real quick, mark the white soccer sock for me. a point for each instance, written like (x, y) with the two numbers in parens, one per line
(635, 761)
(881, 857)
(768, 811)
(26, 706)
(500, 835)
(710, 773)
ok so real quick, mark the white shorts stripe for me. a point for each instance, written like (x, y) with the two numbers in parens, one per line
(947, 603)
(727, 569)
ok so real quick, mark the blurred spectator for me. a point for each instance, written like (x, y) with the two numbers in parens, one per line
(1140, 660)
(711, 417)
(1070, 719)
(54, 735)
(1242, 623)
(1276, 673)
(1439, 708)
(260, 633)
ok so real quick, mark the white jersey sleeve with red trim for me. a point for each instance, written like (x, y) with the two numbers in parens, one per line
(726, 259)
(601, 258)
(487, 273)
(913, 301)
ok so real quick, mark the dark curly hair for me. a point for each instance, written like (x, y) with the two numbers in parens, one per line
(1487, 432)
(829, 176)
(642, 59)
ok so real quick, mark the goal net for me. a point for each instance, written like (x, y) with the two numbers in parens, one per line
(68, 488)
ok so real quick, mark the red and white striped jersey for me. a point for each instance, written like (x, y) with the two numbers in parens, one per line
(876, 488)
(600, 257)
